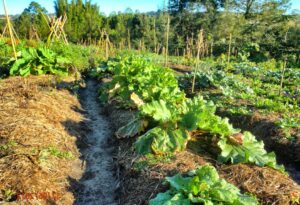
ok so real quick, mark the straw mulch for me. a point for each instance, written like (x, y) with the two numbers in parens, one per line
(37, 151)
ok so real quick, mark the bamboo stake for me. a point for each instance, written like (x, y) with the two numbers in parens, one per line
(10, 29)
(140, 45)
(211, 49)
(187, 47)
(15, 34)
(4, 31)
(192, 45)
(35, 33)
(158, 48)
(282, 76)
(107, 46)
(62, 28)
(154, 37)
(199, 46)
(283, 67)
(46, 19)
(229, 48)
(167, 41)
(129, 40)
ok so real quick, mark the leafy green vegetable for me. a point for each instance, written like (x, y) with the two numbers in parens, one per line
(53, 151)
(158, 110)
(160, 141)
(39, 61)
(200, 114)
(133, 128)
(203, 186)
(168, 198)
(170, 116)
(147, 80)
(251, 151)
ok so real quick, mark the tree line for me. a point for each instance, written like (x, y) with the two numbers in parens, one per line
(255, 29)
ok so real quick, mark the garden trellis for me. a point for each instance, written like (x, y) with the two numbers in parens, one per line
(56, 26)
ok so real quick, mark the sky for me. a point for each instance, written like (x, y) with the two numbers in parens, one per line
(106, 6)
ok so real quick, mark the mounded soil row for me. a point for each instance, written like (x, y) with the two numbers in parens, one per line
(140, 184)
(38, 140)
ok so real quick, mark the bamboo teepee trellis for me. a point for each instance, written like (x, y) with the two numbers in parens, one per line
(11, 31)
(5, 33)
(56, 27)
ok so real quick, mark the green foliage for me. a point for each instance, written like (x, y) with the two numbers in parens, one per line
(257, 42)
(288, 122)
(158, 110)
(250, 151)
(39, 61)
(151, 159)
(7, 146)
(134, 127)
(31, 20)
(202, 186)
(161, 141)
(170, 117)
(82, 57)
(215, 78)
(44, 154)
(200, 114)
(135, 74)
(193, 114)
(84, 19)
(8, 194)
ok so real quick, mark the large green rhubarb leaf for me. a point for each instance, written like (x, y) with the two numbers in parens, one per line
(201, 114)
(160, 141)
(179, 182)
(250, 151)
(133, 128)
(168, 198)
(158, 110)
(204, 186)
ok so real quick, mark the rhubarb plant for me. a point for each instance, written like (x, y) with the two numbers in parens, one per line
(38, 61)
(246, 149)
(166, 118)
(202, 186)
(135, 74)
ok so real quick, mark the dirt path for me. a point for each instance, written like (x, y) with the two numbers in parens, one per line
(97, 185)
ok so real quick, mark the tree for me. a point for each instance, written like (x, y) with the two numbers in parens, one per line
(84, 19)
(32, 22)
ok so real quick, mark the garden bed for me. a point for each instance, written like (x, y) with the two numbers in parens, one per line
(37, 150)
(142, 177)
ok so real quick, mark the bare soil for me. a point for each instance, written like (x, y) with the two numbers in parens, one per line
(98, 185)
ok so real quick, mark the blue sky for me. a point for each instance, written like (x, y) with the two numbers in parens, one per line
(106, 6)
